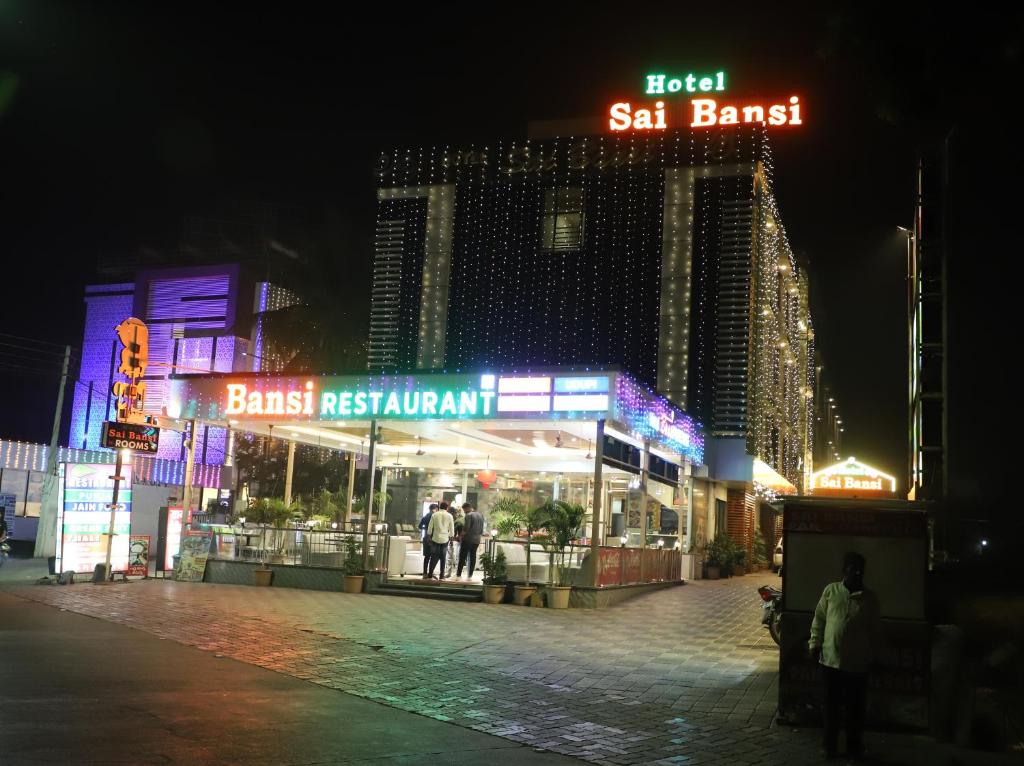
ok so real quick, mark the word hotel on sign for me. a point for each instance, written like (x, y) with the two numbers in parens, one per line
(659, 83)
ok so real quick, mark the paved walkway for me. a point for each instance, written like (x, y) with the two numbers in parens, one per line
(684, 675)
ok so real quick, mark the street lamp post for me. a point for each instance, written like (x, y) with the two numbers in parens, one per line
(121, 455)
(913, 363)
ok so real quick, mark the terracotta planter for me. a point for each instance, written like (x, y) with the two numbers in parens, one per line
(739, 570)
(714, 573)
(353, 583)
(262, 577)
(558, 596)
(522, 593)
(494, 594)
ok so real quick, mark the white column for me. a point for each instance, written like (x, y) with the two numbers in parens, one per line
(288, 473)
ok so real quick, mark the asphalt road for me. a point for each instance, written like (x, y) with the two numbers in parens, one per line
(77, 690)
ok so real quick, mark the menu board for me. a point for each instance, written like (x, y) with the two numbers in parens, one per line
(195, 550)
(83, 517)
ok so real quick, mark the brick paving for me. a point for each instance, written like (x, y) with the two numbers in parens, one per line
(684, 675)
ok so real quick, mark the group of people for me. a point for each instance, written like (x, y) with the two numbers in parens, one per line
(442, 527)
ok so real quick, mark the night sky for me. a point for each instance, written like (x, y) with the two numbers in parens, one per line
(117, 121)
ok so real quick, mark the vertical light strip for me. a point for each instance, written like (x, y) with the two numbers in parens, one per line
(437, 257)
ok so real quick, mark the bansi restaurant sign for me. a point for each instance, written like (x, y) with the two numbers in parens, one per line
(441, 397)
(612, 396)
(852, 478)
(704, 108)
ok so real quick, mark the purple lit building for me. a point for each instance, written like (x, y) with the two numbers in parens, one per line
(200, 319)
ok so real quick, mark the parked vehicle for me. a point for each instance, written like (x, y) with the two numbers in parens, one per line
(772, 615)
(777, 557)
(5, 549)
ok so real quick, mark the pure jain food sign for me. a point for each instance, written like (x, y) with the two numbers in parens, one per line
(705, 108)
(83, 519)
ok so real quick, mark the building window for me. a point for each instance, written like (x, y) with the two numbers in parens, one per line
(721, 522)
(562, 227)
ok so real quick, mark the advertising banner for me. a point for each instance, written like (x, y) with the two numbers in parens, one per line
(7, 506)
(195, 550)
(83, 517)
(173, 537)
(138, 556)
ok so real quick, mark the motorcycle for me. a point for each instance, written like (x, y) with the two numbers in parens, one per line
(771, 617)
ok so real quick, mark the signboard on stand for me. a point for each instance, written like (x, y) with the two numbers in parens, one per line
(138, 556)
(83, 517)
(8, 502)
(172, 537)
(195, 550)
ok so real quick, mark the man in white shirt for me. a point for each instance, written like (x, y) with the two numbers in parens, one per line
(845, 639)
(440, 531)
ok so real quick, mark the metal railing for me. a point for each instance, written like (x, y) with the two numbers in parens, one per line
(617, 565)
(296, 546)
(547, 565)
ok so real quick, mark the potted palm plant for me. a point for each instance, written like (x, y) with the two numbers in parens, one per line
(353, 565)
(739, 561)
(268, 513)
(718, 555)
(495, 572)
(509, 516)
(562, 524)
(534, 520)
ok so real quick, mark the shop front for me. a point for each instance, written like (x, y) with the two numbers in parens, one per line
(593, 438)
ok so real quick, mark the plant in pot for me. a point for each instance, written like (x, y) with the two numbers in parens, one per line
(563, 523)
(266, 512)
(353, 565)
(273, 515)
(718, 555)
(495, 570)
(534, 520)
(739, 561)
(509, 516)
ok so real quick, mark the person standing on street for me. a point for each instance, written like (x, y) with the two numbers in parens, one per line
(440, 531)
(425, 545)
(845, 639)
(459, 520)
(472, 531)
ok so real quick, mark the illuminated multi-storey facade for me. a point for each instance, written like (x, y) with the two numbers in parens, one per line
(200, 319)
(662, 253)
